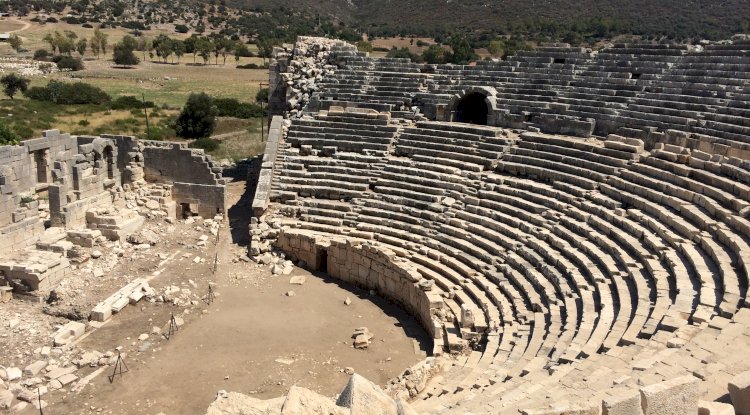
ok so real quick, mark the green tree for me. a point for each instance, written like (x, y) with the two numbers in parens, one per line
(364, 46)
(240, 50)
(123, 52)
(15, 42)
(178, 47)
(100, 40)
(496, 48)
(265, 48)
(7, 136)
(204, 47)
(434, 54)
(51, 40)
(163, 47)
(64, 43)
(13, 83)
(197, 118)
(462, 51)
(81, 46)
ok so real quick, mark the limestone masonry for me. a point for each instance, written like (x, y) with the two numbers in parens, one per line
(60, 193)
(570, 226)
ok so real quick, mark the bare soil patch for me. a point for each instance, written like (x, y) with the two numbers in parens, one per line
(253, 338)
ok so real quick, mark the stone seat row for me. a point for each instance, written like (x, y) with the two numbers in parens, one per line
(564, 272)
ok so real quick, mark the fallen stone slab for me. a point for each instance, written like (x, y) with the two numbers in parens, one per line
(34, 368)
(59, 372)
(13, 373)
(67, 379)
(297, 279)
(68, 333)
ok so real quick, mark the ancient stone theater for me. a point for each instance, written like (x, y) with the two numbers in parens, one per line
(570, 226)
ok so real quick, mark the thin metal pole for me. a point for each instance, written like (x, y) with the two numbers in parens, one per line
(145, 112)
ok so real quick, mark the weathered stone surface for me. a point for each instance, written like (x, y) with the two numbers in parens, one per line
(6, 399)
(715, 408)
(13, 373)
(678, 396)
(364, 397)
(232, 403)
(626, 403)
(301, 401)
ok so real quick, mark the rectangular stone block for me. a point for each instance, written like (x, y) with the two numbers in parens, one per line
(678, 396)
(715, 408)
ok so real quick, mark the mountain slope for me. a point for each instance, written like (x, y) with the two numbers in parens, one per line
(695, 18)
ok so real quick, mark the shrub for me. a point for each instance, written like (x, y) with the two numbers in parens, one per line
(123, 54)
(7, 136)
(253, 66)
(68, 93)
(41, 55)
(129, 102)
(84, 123)
(229, 107)
(262, 95)
(87, 26)
(207, 144)
(181, 28)
(198, 117)
(69, 63)
(51, 20)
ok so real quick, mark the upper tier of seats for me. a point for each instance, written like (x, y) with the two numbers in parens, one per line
(582, 261)
(704, 91)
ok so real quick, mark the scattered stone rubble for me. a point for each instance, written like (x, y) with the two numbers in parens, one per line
(359, 397)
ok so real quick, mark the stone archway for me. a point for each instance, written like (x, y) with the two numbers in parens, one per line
(475, 105)
(472, 109)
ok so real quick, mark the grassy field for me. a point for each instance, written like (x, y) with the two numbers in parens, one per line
(167, 85)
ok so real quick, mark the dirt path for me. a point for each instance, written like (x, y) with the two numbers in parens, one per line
(26, 25)
(252, 339)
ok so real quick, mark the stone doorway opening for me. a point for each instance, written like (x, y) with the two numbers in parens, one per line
(472, 109)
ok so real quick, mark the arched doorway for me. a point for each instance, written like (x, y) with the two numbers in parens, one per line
(472, 109)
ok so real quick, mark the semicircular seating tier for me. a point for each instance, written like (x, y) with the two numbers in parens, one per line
(641, 88)
(558, 269)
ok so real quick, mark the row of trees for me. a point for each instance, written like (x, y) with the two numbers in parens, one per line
(68, 42)
(161, 47)
(167, 49)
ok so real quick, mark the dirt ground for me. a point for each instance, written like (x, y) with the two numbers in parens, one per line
(253, 338)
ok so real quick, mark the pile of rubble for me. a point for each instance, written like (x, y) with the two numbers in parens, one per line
(359, 397)
(309, 65)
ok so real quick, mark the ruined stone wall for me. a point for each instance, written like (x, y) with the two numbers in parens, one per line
(93, 181)
(368, 266)
(60, 177)
(26, 169)
(295, 71)
(197, 181)
(263, 187)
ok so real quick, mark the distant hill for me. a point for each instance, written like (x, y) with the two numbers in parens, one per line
(673, 18)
